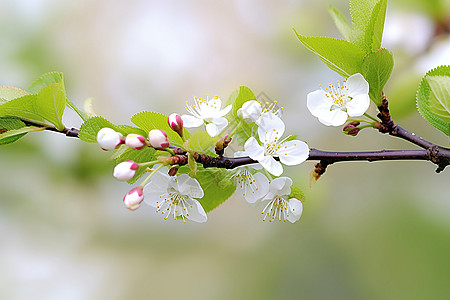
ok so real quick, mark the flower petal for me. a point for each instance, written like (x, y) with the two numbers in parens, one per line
(280, 186)
(293, 152)
(257, 189)
(358, 105)
(253, 149)
(191, 121)
(224, 111)
(295, 208)
(270, 127)
(335, 117)
(189, 186)
(195, 211)
(270, 164)
(357, 85)
(317, 103)
(250, 110)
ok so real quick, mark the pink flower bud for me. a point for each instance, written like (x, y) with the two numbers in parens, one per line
(125, 170)
(134, 198)
(108, 139)
(176, 123)
(158, 139)
(135, 141)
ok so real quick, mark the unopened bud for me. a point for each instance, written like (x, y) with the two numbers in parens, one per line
(176, 123)
(351, 129)
(158, 139)
(135, 141)
(125, 170)
(134, 198)
(354, 123)
(173, 171)
(109, 139)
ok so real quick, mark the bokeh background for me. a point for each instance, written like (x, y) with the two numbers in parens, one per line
(368, 231)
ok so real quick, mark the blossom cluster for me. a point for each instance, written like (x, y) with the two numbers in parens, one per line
(267, 147)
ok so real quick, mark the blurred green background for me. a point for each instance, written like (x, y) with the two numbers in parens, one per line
(368, 231)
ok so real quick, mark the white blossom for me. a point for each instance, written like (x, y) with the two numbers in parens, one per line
(280, 206)
(252, 110)
(335, 104)
(270, 131)
(174, 196)
(208, 112)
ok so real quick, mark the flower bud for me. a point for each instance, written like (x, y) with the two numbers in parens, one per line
(135, 141)
(158, 139)
(176, 123)
(125, 170)
(351, 130)
(134, 198)
(109, 139)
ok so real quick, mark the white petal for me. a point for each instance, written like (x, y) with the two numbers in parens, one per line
(195, 211)
(156, 187)
(295, 207)
(318, 103)
(281, 186)
(258, 189)
(358, 105)
(270, 164)
(270, 127)
(357, 85)
(293, 152)
(335, 117)
(212, 129)
(191, 121)
(224, 111)
(189, 186)
(253, 149)
(221, 123)
(250, 110)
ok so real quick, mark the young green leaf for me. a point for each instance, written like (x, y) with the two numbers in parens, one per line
(22, 107)
(239, 97)
(362, 19)
(50, 104)
(45, 80)
(341, 22)
(147, 121)
(374, 30)
(201, 142)
(15, 134)
(376, 69)
(217, 185)
(8, 93)
(433, 98)
(340, 56)
(7, 124)
(145, 154)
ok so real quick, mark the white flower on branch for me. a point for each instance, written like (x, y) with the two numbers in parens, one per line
(174, 196)
(280, 206)
(253, 186)
(270, 131)
(335, 104)
(252, 110)
(208, 112)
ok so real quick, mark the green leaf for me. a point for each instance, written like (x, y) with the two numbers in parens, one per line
(440, 96)
(201, 142)
(147, 121)
(297, 194)
(239, 97)
(45, 80)
(376, 69)
(7, 124)
(341, 22)
(50, 104)
(15, 134)
(433, 98)
(8, 93)
(374, 30)
(340, 56)
(23, 107)
(217, 185)
(361, 12)
(145, 154)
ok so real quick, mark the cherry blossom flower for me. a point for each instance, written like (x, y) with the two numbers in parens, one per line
(208, 112)
(280, 206)
(158, 139)
(174, 196)
(135, 141)
(252, 110)
(270, 131)
(109, 139)
(253, 186)
(336, 103)
(125, 170)
(133, 199)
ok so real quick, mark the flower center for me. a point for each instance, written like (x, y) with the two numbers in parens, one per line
(173, 204)
(202, 108)
(245, 181)
(277, 208)
(338, 94)
(272, 107)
